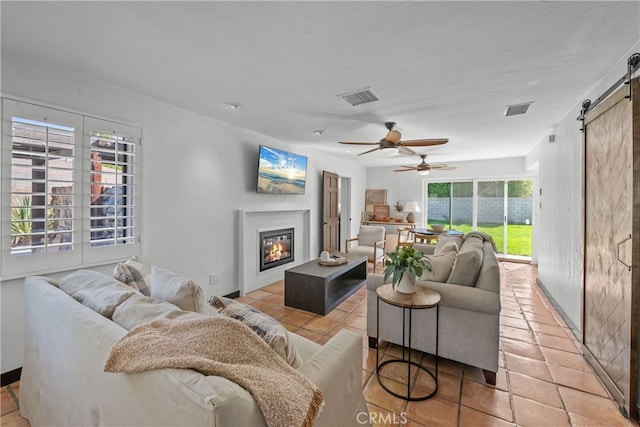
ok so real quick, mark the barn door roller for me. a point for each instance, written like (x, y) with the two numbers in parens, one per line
(633, 64)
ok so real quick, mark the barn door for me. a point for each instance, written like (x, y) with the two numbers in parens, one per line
(610, 283)
(330, 222)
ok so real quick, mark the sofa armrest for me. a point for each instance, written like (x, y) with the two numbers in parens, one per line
(374, 281)
(465, 297)
(336, 369)
(456, 296)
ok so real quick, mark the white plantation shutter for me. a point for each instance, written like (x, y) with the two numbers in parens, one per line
(69, 190)
(39, 190)
(111, 190)
(42, 159)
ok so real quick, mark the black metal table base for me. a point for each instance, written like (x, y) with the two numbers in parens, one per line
(408, 360)
(408, 395)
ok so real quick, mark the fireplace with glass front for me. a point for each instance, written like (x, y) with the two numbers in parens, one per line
(276, 248)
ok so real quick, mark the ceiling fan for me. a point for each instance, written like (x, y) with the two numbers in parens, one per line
(391, 144)
(423, 167)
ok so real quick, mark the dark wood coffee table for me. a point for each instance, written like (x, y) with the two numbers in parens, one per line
(320, 288)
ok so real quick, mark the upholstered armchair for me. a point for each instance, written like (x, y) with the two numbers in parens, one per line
(370, 242)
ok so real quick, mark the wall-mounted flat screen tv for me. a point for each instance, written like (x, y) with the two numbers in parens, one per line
(281, 172)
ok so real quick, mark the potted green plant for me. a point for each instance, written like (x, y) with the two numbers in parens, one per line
(403, 265)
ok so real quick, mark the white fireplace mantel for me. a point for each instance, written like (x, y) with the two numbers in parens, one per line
(250, 223)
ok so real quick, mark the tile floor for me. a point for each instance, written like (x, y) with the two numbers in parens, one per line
(543, 380)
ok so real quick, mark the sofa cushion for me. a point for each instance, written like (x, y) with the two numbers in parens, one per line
(100, 292)
(140, 309)
(448, 244)
(468, 262)
(440, 267)
(177, 290)
(269, 329)
(135, 274)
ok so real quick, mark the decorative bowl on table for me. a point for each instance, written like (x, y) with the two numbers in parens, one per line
(438, 228)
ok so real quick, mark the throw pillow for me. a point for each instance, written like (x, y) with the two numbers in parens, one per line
(98, 291)
(135, 274)
(140, 309)
(177, 290)
(269, 329)
(448, 244)
(468, 263)
(441, 265)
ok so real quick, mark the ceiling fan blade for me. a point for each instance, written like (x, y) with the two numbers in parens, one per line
(405, 170)
(359, 143)
(369, 151)
(406, 150)
(438, 165)
(424, 142)
(443, 167)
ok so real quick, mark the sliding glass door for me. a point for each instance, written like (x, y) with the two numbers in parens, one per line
(491, 211)
(451, 204)
(519, 217)
(501, 208)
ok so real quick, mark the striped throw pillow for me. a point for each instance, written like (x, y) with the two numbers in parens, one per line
(135, 274)
(270, 330)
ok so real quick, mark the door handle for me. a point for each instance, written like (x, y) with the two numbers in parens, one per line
(618, 252)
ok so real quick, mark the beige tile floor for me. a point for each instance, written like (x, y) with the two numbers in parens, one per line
(542, 381)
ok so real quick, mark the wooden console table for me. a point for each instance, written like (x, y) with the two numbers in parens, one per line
(320, 288)
(396, 223)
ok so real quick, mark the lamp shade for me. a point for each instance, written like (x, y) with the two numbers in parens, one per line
(411, 207)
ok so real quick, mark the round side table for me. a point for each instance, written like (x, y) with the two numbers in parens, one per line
(424, 298)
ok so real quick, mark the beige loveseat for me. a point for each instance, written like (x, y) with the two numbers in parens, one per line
(469, 306)
(63, 382)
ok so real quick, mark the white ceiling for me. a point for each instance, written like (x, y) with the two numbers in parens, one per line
(441, 69)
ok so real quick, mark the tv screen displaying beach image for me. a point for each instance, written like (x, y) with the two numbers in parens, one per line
(281, 172)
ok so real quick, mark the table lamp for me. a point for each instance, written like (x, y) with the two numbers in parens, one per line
(411, 207)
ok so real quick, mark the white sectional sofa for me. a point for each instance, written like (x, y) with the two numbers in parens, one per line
(63, 382)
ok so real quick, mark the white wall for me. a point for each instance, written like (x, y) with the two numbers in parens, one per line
(409, 185)
(560, 217)
(196, 173)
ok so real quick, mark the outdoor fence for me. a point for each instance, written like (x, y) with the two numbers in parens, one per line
(490, 209)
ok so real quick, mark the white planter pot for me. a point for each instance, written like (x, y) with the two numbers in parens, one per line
(406, 286)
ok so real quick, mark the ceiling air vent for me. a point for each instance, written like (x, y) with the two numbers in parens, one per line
(515, 109)
(358, 97)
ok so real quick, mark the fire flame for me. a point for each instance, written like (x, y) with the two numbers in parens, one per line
(276, 252)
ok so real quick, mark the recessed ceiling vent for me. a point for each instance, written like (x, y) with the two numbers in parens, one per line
(515, 109)
(362, 96)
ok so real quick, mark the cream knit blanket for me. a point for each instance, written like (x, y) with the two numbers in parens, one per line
(224, 347)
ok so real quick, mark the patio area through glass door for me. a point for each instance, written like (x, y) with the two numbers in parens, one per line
(501, 208)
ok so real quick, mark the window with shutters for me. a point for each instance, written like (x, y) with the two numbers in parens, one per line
(42, 187)
(69, 190)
